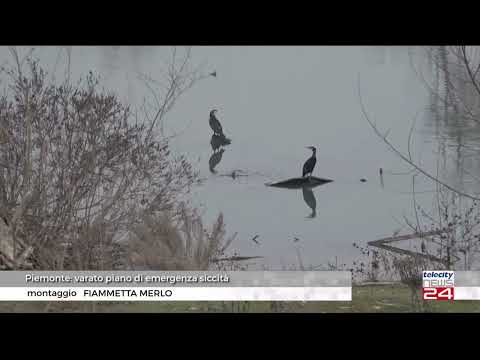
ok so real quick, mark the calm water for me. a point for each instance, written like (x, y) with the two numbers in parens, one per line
(273, 102)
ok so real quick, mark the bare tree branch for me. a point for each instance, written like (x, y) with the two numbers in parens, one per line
(402, 156)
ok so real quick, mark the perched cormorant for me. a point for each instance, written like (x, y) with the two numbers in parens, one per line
(310, 163)
(215, 124)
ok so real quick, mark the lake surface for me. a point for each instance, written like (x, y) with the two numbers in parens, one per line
(272, 103)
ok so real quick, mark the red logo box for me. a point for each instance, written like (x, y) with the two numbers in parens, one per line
(438, 293)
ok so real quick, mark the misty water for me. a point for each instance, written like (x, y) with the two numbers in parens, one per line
(275, 101)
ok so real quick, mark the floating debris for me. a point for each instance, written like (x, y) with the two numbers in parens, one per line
(382, 244)
(235, 173)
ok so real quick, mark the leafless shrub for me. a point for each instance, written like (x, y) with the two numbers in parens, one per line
(162, 243)
(382, 265)
(455, 223)
(78, 169)
(374, 265)
(409, 269)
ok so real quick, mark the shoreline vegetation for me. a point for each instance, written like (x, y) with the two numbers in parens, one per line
(89, 183)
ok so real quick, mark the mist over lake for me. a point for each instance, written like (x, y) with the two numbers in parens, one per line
(273, 102)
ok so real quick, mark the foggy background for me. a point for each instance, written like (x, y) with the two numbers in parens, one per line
(272, 103)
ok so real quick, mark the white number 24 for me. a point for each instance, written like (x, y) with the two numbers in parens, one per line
(434, 293)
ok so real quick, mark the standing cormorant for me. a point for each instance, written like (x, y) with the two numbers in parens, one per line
(310, 163)
(215, 124)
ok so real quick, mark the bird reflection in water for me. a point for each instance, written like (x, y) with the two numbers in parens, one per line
(306, 185)
(215, 160)
(217, 142)
(310, 200)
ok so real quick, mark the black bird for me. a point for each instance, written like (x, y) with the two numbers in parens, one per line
(424, 249)
(254, 239)
(214, 74)
(215, 124)
(310, 163)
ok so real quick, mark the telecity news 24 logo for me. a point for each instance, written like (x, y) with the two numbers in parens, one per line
(438, 285)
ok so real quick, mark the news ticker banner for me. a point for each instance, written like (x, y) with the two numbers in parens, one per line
(450, 285)
(175, 286)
